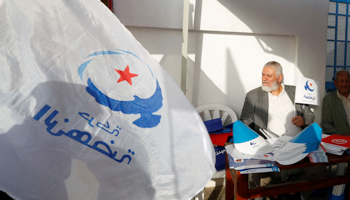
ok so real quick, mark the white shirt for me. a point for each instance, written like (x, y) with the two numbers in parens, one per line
(281, 111)
(346, 104)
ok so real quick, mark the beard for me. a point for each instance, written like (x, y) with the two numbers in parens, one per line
(344, 91)
(274, 86)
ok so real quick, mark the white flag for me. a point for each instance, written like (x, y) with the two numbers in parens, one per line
(87, 113)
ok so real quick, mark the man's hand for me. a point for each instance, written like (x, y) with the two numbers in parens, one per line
(298, 121)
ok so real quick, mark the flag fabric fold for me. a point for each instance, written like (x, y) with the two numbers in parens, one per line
(87, 113)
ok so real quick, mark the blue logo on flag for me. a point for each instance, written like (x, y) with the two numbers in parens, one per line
(310, 86)
(135, 79)
(252, 143)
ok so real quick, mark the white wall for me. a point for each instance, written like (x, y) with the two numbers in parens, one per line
(230, 41)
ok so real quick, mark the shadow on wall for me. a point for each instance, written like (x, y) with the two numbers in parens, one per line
(236, 76)
(272, 19)
(268, 17)
(250, 14)
(234, 96)
(201, 89)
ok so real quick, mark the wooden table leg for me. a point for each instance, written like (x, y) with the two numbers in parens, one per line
(229, 182)
(347, 187)
(241, 183)
(236, 184)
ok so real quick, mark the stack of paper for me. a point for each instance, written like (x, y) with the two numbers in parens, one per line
(336, 144)
(248, 141)
(290, 153)
(319, 155)
(300, 146)
(271, 138)
(248, 164)
(337, 193)
(260, 170)
(280, 142)
(284, 150)
(232, 151)
(250, 153)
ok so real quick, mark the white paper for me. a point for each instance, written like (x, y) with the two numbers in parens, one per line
(239, 155)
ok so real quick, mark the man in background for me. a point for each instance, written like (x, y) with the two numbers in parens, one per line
(336, 106)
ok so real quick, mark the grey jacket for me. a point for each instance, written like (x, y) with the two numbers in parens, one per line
(256, 107)
(334, 118)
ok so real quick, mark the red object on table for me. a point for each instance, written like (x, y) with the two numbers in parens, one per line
(219, 139)
(339, 140)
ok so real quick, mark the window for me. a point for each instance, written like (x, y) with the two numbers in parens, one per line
(338, 44)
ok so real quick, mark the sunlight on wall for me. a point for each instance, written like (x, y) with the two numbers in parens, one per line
(215, 15)
(233, 64)
(232, 53)
(230, 41)
(158, 57)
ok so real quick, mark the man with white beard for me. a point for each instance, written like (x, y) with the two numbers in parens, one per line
(271, 107)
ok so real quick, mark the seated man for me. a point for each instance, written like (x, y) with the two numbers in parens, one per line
(272, 107)
(336, 106)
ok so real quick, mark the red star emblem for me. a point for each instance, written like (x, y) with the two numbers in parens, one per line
(125, 75)
(310, 84)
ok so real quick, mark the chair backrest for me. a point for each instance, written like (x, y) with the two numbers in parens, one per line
(214, 111)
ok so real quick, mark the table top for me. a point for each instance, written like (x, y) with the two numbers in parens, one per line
(237, 184)
(332, 159)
